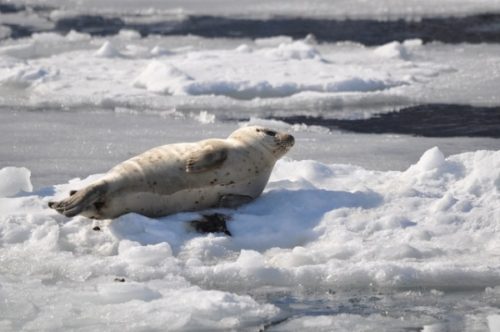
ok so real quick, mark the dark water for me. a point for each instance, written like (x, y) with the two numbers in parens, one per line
(433, 120)
(472, 29)
(483, 28)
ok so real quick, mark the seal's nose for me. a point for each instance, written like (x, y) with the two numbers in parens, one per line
(287, 139)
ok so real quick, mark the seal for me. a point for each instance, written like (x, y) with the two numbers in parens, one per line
(183, 177)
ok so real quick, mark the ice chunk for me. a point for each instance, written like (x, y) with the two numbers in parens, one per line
(14, 180)
(431, 159)
(394, 50)
(397, 50)
(107, 50)
(162, 77)
(129, 34)
(298, 50)
(244, 48)
(75, 36)
(159, 51)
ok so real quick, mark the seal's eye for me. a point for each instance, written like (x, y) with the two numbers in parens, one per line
(270, 133)
(267, 132)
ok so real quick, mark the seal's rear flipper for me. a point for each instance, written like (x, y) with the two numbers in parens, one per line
(79, 200)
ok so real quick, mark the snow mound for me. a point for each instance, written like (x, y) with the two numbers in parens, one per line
(317, 226)
(159, 51)
(161, 77)
(397, 50)
(297, 50)
(431, 159)
(107, 50)
(14, 180)
(265, 73)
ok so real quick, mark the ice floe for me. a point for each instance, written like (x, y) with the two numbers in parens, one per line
(317, 226)
(79, 70)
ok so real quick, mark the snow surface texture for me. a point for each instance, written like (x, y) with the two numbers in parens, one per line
(225, 76)
(316, 227)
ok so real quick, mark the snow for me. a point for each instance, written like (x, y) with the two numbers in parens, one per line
(343, 80)
(221, 76)
(270, 72)
(317, 226)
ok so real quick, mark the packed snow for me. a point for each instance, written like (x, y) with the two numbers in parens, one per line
(316, 228)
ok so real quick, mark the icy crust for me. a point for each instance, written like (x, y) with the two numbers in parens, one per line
(77, 70)
(316, 227)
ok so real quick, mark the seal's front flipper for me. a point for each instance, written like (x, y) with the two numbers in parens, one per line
(79, 200)
(233, 201)
(207, 158)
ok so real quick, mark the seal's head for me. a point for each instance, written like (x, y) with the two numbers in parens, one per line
(275, 142)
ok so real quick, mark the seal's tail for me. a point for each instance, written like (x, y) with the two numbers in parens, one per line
(79, 201)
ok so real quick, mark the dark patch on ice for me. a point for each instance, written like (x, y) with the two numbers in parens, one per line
(432, 120)
(10, 8)
(272, 324)
(482, 28)
(19, 31)
(91, 24)
(471, 29)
